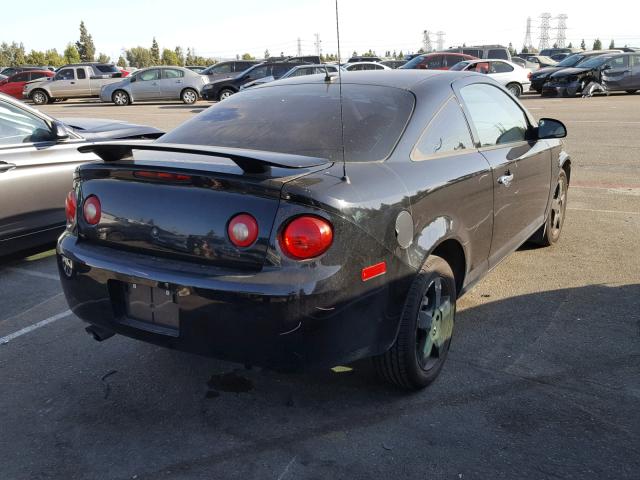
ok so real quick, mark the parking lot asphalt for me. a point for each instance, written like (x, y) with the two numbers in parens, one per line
(542, 380)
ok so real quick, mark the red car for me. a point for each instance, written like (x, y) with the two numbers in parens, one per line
(13, 85)
(436, 61)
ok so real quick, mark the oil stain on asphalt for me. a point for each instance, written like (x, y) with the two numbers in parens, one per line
(228, 382)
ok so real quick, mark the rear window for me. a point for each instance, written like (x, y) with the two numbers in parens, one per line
(304, 119)
(498, 53)
(107, 68)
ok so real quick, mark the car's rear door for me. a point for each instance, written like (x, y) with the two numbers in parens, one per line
(35, 173)
(171, 83)
(82, 86)
(521, 168)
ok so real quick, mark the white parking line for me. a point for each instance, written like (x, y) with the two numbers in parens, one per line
(24, 271)
(6, 339)
(626, 212)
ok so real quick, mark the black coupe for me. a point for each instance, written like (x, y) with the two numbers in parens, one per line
(308, 223)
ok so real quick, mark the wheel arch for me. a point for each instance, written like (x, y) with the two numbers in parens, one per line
(190, 88)
(452, 252)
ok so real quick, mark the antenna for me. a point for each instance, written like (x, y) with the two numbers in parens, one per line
(344, 162)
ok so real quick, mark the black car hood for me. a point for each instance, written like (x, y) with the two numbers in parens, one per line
(565, 72)
(103, 129)
(545, 72)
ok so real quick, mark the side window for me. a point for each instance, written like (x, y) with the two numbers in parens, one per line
(480, 67)
(173, 73)
(636, 61)
(447, 133)
(500, 67)
(496, 117)
(149, 75)
(19, 127)
(226, 68)
(36, 75)
(81, 73)
(65, 74)
(20, 77)
(452, 60)
(619, 62)
(258, 72)
(434, 62)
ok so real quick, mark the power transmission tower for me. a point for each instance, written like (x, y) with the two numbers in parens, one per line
(544, 31)
(527, 36)
(561, 37)
(426, 41)
(318, 44)
(299, 48)
(440, 41)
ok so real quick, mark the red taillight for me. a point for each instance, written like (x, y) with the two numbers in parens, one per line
(306, 237)
(529, 75)
(70, 205)
(164, 176)
(92, 210)
(243, 230)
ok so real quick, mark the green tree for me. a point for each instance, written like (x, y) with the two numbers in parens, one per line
(36, 58)
(266, 54)
(71, 54)
(169, 57)
(612, 44)
(179, 55)
(400, 55)
(139, 57)
(354, 54)
(155, 52)
(524, 49)
(104, 58)
(570, 45)
(189, 58)
(512, 50)
(247, 56)
(583, 45)
(53, 58)
(597, 44)
(555, 45)
(12, 54)
(122, 63)
(84, 46)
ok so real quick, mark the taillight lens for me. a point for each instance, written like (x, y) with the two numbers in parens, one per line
(529, 75)
(243, 230)
(306, 237)
(92, 210)
(70, 205)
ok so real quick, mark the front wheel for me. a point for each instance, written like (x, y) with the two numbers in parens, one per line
(225, 93)
(120, 98)
(40, 97)
(549, 233)
(515, 89)
(189, 96)
(426, 327)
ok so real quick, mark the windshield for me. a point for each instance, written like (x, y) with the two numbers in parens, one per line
(413, 62)
(594, 62)
(304, 119)
(571, 60)
(460, 66)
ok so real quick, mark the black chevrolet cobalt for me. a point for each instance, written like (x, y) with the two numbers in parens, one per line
(311, 222)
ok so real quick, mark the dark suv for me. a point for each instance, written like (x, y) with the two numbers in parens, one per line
(226, 87)
(222, 70)
(436, 61)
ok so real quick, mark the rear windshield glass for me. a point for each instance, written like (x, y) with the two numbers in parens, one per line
(571, 60)
(304, 119)
(107, 68)
(413, 62)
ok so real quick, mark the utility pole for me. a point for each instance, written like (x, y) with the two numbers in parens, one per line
(561, 37)
(299, 48)
(426, 42)
(527, 37)
(440, 41)
(318, 44)
(544, 31)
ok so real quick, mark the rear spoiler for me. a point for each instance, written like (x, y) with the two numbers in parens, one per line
(250, 161)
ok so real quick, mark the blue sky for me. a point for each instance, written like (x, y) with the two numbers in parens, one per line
(222, 29)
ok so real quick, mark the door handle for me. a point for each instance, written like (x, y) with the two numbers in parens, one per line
(5, 167)
(73, 83)
(506, 179)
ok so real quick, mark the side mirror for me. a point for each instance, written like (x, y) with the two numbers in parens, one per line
(550, 128)
(59, 131)
(606, 67)
(132, 79)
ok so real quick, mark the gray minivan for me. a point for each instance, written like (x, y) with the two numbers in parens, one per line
(222, 70)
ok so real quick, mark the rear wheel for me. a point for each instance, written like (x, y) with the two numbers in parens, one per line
(549, 233)
(40, 97)
(120, 98)
(420, 349)
(631, 92)
(225, 93)
(189, 96)
(515, 89)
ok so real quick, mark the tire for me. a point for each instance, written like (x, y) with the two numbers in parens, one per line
(515, 89)
(120, 98)
(631, 92)
(225, 93)
(549, 233)
(40, 97)
(420, 350)
(189, 96)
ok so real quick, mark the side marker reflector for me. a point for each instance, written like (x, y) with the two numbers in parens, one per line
(374, 271)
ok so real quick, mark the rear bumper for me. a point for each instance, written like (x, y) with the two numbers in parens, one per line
(289, 320)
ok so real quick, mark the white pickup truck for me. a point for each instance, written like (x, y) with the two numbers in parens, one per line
(83, 80)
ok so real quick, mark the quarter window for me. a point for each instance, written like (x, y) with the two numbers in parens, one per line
(500, 67)
(447, 133)
(81, 73)
(496, 117)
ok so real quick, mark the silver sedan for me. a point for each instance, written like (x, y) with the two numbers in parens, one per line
(156, 83)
